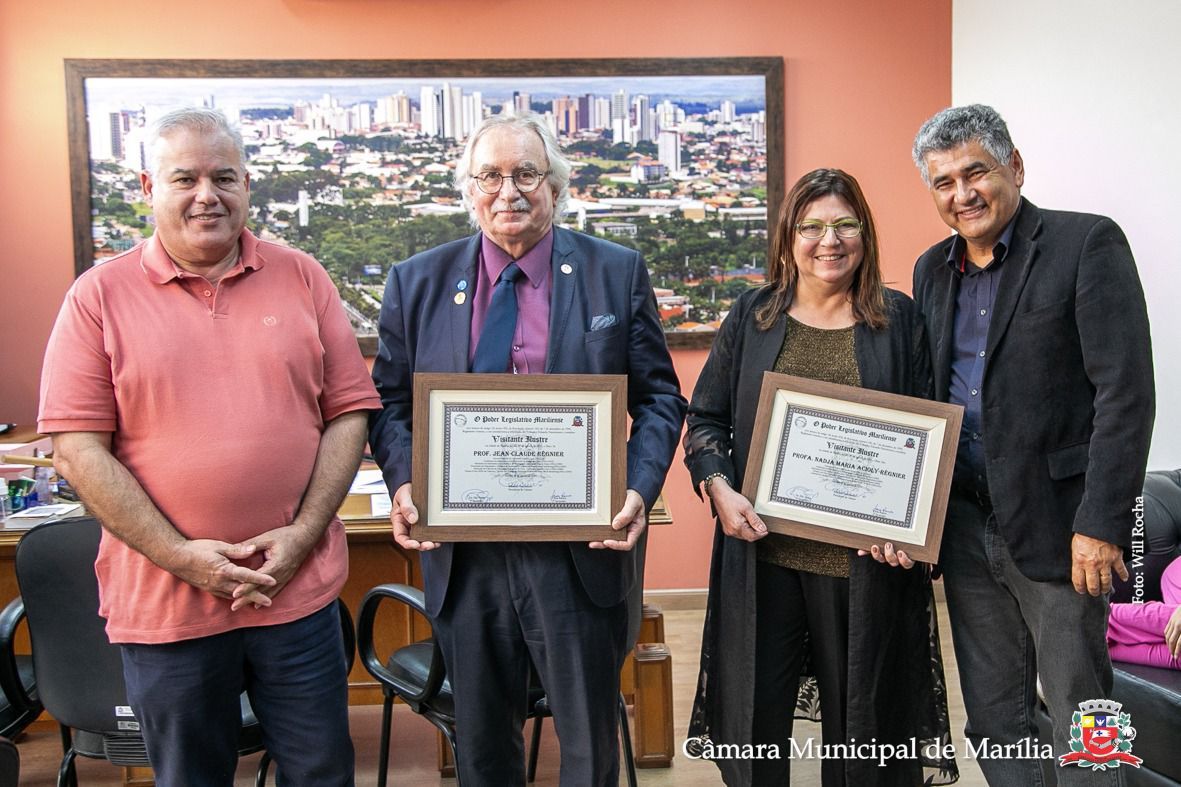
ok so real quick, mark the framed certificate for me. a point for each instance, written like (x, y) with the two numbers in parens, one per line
(503, 457)
(852, 466)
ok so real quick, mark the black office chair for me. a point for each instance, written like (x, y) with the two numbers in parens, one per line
(635, 618)
(79, 673)
(541, 712)
(10, 764)
(416, 674)
(19, 705)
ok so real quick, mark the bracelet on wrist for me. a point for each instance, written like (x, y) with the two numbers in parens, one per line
(709, 479)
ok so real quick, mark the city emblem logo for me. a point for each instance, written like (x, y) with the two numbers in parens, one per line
(578, 420)
(1101, 737)
(910, 442)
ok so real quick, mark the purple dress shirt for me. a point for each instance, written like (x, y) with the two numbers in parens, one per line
(531, 339)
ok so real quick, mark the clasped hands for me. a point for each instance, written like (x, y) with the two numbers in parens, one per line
(739, 520)
(213, 566)
(632, 519)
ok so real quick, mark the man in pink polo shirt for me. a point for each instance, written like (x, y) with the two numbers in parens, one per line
(209, 402)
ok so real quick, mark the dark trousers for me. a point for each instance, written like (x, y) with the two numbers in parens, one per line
(185, 696)
(798, 610)
(1000, 622)
(510, 604)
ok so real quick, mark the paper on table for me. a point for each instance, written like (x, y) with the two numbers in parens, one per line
(23, 520)
(380, 504)
(44, 512)
(368, 482)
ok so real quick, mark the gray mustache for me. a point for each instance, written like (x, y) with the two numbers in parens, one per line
(519, 204)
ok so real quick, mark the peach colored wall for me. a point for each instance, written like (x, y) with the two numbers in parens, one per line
(678, 554)
(860, 77)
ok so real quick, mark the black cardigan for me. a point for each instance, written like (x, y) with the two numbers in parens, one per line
(895, 667)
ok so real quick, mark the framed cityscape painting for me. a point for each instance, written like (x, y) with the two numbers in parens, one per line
(352, 161)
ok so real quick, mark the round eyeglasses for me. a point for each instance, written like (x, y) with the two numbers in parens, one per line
(815, 230)
(525, 180)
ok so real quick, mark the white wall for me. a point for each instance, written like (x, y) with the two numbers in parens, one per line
(1091, 90)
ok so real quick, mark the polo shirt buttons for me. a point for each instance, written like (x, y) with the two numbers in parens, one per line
(208, 293)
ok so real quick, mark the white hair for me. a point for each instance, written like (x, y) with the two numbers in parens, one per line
(559, 166)
(195, 119)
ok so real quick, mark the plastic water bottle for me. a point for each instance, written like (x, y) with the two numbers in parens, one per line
(41, 492)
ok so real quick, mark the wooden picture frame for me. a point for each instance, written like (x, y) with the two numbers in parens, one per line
(738, 176)
(503, 457)
(852, 466)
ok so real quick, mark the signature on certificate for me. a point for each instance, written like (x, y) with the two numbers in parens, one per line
(518, 480)
(801, 493)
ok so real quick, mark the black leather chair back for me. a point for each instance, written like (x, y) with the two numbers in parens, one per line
(1161, 540)
(19, 705)
(10, 764)
(79, 673)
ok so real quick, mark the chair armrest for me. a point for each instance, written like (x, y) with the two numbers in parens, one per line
(10, 681)
(410, 596)
(415, 599)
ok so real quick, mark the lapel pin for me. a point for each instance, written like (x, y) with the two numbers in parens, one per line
(460, 298)
(461, 285)
(566, 269)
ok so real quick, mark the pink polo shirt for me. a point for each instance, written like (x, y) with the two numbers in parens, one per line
(216, 396)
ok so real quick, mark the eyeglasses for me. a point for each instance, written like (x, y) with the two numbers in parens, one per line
(814, 230)
(525, 180)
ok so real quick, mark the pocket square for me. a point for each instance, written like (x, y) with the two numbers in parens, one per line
(601, 321)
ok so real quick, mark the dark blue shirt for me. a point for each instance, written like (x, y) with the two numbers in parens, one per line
(973, 314)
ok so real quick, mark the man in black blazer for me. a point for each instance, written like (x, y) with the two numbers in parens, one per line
(585, 307)
(1038, 328)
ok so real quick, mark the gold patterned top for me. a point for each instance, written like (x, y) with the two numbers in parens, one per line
(828, 356)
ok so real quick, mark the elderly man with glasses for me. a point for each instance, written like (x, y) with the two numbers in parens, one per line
(526, 297)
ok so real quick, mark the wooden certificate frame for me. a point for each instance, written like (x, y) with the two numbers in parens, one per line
(503, 457)
(852, 466)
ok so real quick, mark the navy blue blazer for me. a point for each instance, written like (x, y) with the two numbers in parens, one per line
(1068, 384)
(423, 329)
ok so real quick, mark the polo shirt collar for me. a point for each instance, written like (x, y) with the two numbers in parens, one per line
(957, 254)
(161, 269)
(535, 263)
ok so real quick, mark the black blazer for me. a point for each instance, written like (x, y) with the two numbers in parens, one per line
(423, 329)
(1068, 396)
(890, 659)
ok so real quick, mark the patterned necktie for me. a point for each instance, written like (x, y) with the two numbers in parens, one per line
(496, 337)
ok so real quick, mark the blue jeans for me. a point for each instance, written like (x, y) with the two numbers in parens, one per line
(1000, 622)
(185, 696)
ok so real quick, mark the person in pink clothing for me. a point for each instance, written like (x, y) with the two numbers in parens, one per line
(1149, 633)
(209, 403)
